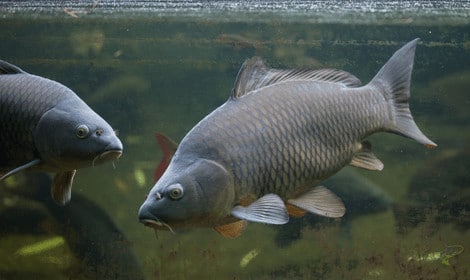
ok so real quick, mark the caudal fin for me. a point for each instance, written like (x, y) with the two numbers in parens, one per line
(394, 80)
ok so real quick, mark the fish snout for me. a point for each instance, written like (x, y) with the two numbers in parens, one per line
(150, 220)
(114, 146)
(111, 152)
(110, 155)
(107, 156)
(147, 218)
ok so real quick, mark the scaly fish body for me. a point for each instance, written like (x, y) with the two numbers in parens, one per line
(282, 140)
(46, 126)
(258, 156)
(21, 109)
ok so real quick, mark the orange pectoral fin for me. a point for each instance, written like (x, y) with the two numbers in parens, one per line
(162, 166)
(295, 211)
(232, 230)
(168, 148)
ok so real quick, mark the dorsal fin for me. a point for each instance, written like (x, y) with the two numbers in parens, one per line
(8, 68)
(254, 75)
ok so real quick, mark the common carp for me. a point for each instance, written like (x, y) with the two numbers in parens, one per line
(45, 126)
(260, 155)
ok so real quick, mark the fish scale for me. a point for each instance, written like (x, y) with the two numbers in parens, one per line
(259, 156)
(23, 108)
(308, 156)
(312, 156)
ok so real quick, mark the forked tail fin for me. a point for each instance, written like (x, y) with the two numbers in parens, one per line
(394, 81)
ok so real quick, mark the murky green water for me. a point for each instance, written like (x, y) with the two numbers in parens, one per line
(163, 66)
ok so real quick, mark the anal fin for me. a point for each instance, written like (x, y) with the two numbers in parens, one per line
(364, 158)
(232, 230)
(268, 209)
(320, 201)
(61, 190)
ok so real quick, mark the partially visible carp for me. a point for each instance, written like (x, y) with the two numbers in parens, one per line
(101, 249)
(259, 156)
(46, 126)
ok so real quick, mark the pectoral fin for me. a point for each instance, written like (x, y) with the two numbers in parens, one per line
(168, 148)
(20, 168)
(232, 230)
(61, 189)
(364, 158)
(320, 201)
(269, 209)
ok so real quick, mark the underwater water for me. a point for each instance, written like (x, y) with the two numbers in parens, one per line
(162, 66)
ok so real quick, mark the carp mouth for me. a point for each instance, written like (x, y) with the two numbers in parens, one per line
(107, 156)
(156, 224)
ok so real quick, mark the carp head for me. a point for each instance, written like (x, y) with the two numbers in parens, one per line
(71, 135)
(189, 195)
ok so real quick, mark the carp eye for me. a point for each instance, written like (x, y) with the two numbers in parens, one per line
(82, 131)
(176, 192)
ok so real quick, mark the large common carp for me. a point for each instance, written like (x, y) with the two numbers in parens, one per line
(45, 126)
(259, 156)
